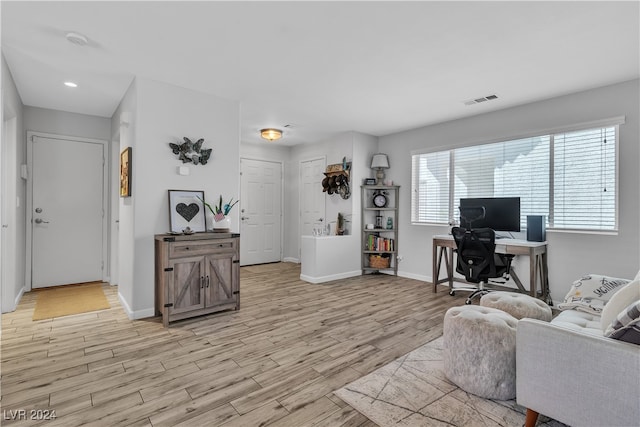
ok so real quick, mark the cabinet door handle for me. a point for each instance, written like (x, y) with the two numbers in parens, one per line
(207, 281)
(201, 282)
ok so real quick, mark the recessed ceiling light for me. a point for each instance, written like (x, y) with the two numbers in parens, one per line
(77, 38)
(70, 84)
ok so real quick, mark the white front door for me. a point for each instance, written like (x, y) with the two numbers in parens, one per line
(312, 199)
(260, 212)
(66, 210)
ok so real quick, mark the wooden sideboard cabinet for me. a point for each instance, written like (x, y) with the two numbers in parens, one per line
(196, 274)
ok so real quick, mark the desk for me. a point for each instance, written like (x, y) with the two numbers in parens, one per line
(443, 244)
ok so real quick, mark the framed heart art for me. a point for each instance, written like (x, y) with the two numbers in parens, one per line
(186, 211)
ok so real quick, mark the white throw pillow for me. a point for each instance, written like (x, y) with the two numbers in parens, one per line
(619, 301)
(590, 293)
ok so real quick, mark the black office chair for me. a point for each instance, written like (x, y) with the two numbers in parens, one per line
(477, 259)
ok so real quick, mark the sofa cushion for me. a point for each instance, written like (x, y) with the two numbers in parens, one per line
(619, 301)
(590, 293)
(579, 321)
(626, 327)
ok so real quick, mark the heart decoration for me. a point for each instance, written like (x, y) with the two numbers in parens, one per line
(187, 212)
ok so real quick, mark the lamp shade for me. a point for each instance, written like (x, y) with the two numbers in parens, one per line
(379, 161)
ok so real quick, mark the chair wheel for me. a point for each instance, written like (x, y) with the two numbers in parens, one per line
(452, 293)
(468, 302)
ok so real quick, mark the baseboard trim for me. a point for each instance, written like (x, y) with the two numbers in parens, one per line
(290, 259)
(16, 301)
(134, 315)
(331, 277)
(420, 277)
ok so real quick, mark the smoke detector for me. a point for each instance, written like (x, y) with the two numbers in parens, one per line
(77, 38)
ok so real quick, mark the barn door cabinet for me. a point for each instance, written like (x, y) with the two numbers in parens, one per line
(196, 274)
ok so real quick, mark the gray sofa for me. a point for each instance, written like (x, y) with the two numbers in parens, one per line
(569, 371)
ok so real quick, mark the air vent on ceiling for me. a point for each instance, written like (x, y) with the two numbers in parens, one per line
(479, 100)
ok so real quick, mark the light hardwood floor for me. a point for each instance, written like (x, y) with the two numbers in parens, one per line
(275, 362)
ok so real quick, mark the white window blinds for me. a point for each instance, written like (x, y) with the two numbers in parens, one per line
(584, 180)
(569, 177)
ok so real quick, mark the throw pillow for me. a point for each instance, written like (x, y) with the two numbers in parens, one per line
(590, 293)
(621, 299)
(626, 327)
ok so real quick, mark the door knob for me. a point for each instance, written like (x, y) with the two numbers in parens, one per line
(40, 221)
(244, 217)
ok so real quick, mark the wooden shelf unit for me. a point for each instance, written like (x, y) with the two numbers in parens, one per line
(389, 236)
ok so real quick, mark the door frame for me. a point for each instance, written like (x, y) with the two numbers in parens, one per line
(282, 193)
(300, 196)
(29, 201)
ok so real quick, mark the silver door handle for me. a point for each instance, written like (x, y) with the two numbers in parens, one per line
(40, 221)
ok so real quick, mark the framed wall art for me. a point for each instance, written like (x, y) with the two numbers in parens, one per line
(186, 211)
(125, 172)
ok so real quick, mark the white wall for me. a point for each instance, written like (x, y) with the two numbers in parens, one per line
(13, 188)
(352, 145)
(161, 114)
(68, 124)
(570, 254)
(123, 130)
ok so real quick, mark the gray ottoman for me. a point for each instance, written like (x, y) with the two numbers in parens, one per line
(518, 305)
(479, 351)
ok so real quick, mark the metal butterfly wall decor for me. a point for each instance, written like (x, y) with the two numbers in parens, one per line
(191, 152)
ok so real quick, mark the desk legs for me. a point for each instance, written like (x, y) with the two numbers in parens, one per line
(533, 269)
(438, 253)
(435, 267)
(538, 271)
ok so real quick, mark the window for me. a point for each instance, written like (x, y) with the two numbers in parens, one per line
(570, 177)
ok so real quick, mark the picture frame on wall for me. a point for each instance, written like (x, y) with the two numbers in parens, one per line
(186, 209)
(125, 172)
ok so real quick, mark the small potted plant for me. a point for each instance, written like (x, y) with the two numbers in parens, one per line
(220, 222)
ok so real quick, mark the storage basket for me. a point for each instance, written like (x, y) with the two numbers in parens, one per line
(376, 261)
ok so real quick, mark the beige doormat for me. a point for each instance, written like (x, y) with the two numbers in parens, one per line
(413, 391)
(70, 299)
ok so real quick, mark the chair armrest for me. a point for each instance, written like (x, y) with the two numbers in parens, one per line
(577, 378)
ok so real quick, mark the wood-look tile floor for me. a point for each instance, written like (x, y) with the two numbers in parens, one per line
(275, 362)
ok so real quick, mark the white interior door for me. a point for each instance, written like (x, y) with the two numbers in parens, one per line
(67, 211)
(260, 212)
(312, 199)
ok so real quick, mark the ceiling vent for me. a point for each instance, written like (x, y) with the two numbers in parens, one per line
(479, 100)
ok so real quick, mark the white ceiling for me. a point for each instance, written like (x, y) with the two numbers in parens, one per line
(323, 67)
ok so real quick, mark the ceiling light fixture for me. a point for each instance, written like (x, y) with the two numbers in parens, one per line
(70, 84)
(271, 134)
(77, 38)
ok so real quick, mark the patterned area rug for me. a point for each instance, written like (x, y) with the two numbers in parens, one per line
(413, 391)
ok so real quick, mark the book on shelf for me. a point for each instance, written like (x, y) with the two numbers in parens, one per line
(382, 244)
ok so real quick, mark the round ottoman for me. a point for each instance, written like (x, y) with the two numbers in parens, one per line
(518, 305)
(479, 351)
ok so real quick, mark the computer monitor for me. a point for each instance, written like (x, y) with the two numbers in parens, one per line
(501, 213)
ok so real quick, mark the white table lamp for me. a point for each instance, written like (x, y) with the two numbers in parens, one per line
(380, 162)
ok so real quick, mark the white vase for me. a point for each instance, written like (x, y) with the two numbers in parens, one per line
(223, 225)
(209, 219)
